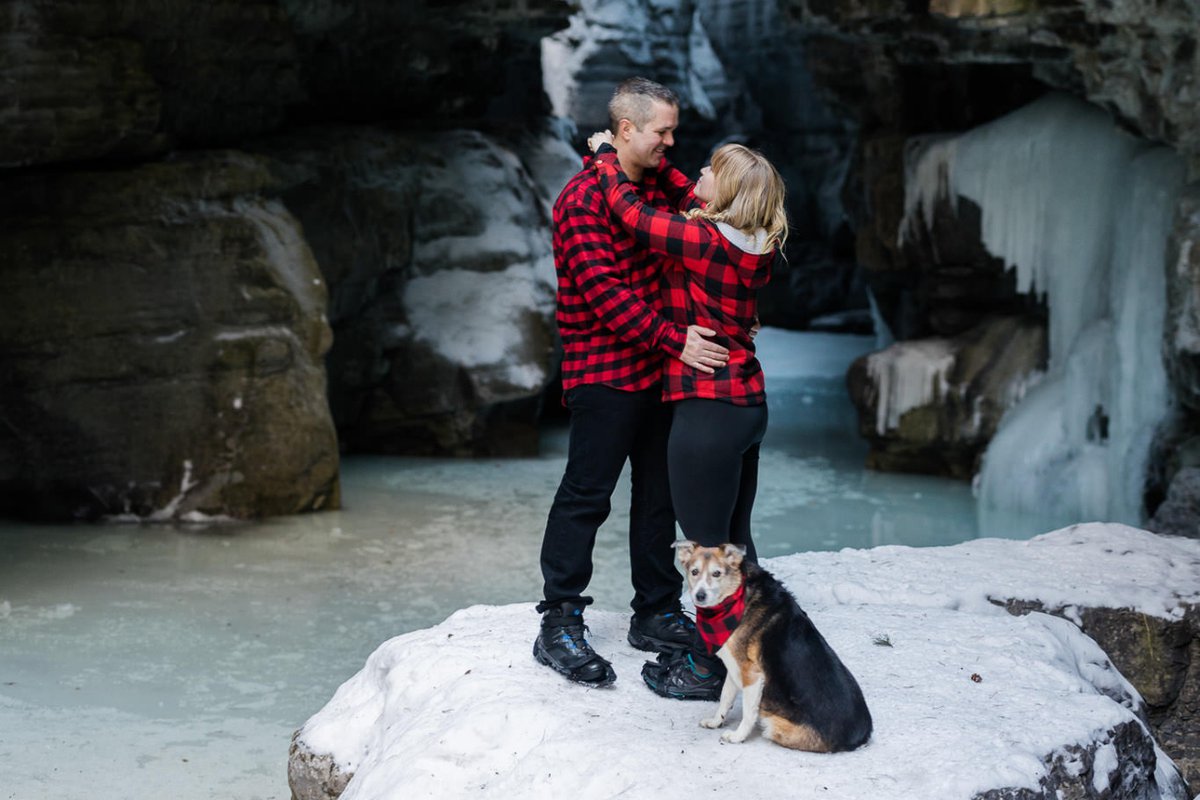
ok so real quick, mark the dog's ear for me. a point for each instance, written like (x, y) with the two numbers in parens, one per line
(735, 553)
(684, 549)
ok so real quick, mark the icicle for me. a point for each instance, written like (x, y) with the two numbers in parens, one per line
(909, 375)
(1081, 211)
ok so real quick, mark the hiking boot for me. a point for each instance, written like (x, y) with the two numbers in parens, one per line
(662, 632)
(685, 675)
(561, 646)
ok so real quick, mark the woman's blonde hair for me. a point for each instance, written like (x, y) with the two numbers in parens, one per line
(749, 194)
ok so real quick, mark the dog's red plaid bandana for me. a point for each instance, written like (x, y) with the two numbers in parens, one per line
(717, 623)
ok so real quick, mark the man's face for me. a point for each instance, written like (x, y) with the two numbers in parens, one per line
(646, 147)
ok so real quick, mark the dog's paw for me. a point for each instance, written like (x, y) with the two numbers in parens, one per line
(712, 722)
(733, 737)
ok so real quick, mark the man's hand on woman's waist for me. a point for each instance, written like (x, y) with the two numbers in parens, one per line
(702, 354)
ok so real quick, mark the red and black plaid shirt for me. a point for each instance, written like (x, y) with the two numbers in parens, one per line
(709, 281)
(610, 297)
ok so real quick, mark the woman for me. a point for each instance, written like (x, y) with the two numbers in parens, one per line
(719, 255)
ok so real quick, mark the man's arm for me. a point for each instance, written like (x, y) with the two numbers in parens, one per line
(670, 234)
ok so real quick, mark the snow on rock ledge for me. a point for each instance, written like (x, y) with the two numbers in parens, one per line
(968, 701)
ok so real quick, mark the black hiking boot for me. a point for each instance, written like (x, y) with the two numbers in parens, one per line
(561, 646)
(662, 632)
(685, 675)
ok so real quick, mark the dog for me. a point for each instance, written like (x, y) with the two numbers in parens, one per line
(789, 676)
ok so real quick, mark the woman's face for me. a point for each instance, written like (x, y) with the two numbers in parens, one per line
(706, 187)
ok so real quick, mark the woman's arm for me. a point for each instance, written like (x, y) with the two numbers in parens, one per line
(604, 285)
(669, 234)
(677, 186)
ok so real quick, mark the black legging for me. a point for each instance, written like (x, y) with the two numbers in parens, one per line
(713, 460)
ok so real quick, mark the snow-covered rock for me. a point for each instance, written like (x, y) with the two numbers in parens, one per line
(436, 249)
(932, 405)
(968, 700)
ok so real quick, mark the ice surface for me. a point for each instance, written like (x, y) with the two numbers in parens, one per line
(134, 648)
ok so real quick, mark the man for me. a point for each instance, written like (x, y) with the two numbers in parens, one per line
(614, 340)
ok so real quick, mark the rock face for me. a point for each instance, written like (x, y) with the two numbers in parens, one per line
(742, 75)
(141, 75)
(429, 63)
(165, 358)
(1181, 337)
(1162, 659)
(908, 72)
(932, 405)
(314, 776)
(1086, 772)
(1134, 58)
(108, 412)
(132, 78)
(437, 254)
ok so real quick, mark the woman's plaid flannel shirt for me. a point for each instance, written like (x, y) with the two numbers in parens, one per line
(709, 281)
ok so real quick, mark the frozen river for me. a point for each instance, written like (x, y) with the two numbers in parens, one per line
(175, 662)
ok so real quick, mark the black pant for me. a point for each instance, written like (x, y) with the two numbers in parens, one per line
(609, 426)
(713, 458)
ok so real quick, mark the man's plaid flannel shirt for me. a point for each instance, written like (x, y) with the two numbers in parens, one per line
(610, 296)
(709, 281)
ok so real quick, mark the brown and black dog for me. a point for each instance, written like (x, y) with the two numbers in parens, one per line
(789, 676)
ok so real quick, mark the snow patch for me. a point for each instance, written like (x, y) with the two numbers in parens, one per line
(1104, 765)
(476, 318)
(952, 680)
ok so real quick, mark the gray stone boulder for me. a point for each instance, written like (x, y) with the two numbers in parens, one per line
(1179, 514)
(436, 249)
(1181, 334)
(932, 405)
(1161, 658)
(163, 353)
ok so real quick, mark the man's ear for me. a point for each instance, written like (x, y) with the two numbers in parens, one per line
(735, 553)
(625, 129)
(684, 549)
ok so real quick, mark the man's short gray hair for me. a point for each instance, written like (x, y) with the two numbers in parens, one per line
(634, 100)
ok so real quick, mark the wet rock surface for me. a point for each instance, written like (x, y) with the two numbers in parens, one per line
(165, 355)
(1161, 658)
